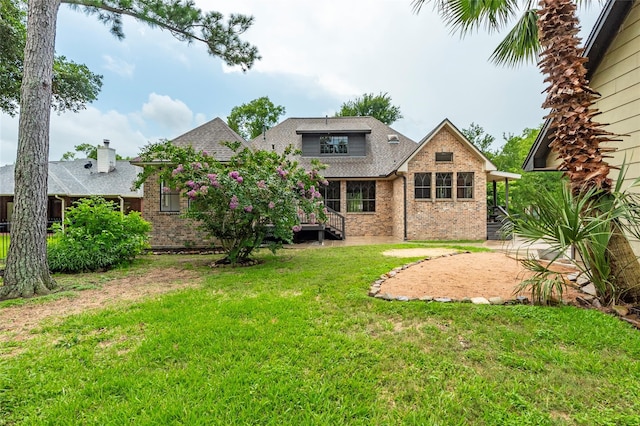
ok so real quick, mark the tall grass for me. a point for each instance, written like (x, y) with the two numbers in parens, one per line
(296, 341)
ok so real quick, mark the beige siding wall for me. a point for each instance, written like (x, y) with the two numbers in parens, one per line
(451, 219)
(169, 229)
(618, 81)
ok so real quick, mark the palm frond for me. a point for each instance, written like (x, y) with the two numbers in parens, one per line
(521, 44)
(464, 16)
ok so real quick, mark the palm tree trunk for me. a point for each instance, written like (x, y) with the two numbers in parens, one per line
(27, 271)
(625, 267)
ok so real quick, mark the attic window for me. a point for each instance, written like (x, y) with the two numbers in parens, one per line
(393, 139)
(444, 157)
(334, 145)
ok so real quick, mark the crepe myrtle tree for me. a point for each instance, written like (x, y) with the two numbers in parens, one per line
(256, 194)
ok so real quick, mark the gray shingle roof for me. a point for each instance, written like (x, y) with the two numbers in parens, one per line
(71, 178)
(208, 136)
(382, 158)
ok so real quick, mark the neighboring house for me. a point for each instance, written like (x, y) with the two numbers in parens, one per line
(162, 208)
(69, 181)
(384, 184)
(613, 68)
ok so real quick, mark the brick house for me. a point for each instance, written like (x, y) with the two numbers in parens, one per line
(69, 181)
(384, 184)
(381, 183)
(163, 209)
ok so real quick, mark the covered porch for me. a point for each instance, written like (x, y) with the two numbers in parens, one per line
(496, 212)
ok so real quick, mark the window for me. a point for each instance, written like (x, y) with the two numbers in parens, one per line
(444, 157)
(443, 185)
(331, 195)
(169, 199)
(361, 196)
(464, 185)
(422, 185)
(332, 145)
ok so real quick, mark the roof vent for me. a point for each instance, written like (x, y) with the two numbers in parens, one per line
(393, 138)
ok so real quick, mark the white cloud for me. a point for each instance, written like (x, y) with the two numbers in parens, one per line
(70, 129)
(349, 48)
(118, 66)
(172, 114)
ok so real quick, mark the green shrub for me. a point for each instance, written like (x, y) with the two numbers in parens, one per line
(95, 236)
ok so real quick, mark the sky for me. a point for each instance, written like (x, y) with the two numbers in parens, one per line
(315, 57)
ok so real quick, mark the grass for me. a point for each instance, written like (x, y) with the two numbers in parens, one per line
(296, 340)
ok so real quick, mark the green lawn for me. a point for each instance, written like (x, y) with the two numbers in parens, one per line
(296, 341)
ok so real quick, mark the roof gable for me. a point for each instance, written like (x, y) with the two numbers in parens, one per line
(208, 137)
(446, 124)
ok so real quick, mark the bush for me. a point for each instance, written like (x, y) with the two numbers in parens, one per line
(255, 194)
(95, 236)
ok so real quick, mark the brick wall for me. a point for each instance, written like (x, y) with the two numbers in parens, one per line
(169, 229)
(451, 219)
(398, 208)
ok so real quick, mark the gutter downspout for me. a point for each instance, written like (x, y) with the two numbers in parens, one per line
(121, 205)
(57, 197)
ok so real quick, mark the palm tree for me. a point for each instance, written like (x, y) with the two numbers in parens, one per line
(577, 138)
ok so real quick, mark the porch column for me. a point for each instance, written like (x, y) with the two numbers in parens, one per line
(506, 194)
(495, 194)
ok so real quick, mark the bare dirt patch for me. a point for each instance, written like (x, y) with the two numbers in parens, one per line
(17, 322)
(487, 274)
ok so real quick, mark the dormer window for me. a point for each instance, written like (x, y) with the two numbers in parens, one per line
(334, 145)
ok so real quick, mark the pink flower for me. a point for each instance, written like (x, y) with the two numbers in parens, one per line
(262, 185)
(300, 184)
(312, 218)
(192, 194)
(325, 182)
(196, 166)
(297, 228)
(239, 179)
(191, 184)
(234, 174)
(248, 209)
(166, 189)
(282, 173)
(213, 178)
(271, 204)
(233, 204)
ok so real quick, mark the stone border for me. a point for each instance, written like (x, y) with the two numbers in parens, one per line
(374, 291)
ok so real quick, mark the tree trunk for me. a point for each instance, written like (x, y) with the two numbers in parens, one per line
(625, 267)
(27, 271)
